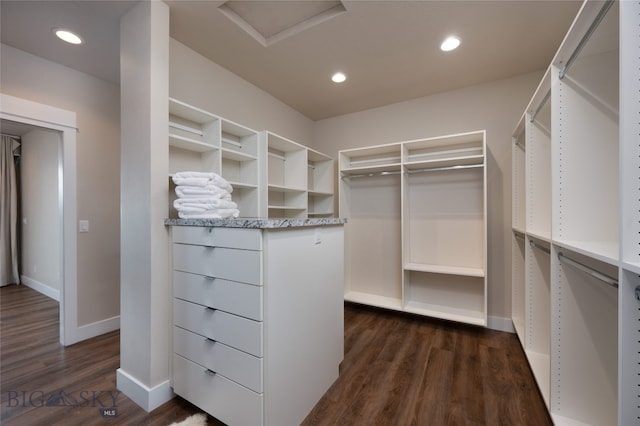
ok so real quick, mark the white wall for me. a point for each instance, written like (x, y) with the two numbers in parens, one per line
(496, 107)
(198, 81)
(41, 242)
(97, 104)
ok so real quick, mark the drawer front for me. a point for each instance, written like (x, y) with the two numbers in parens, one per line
(222, 398)
(229, 296)
(219, 262)
(248, 239)
(232, 330)
(222, 359)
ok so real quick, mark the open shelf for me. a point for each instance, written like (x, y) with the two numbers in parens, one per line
(450, 297)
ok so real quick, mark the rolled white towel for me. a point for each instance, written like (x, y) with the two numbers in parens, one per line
(211, 214)
(202, 192)
(201, 179)
(197, 205)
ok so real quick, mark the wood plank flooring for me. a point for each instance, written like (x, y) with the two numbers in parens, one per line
(398, 370)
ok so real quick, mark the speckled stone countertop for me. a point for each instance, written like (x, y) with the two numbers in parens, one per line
(257, 223)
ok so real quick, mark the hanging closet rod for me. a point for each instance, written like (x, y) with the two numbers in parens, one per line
(10, 136)
(519, 236)
(439, 169)
(586, 269)
(585, 39)
(544, 101)
(372, 174)
(535, 245)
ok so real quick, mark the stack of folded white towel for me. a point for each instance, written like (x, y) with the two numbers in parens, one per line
(203, 196)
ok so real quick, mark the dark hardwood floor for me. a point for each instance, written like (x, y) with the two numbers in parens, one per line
(398, 370)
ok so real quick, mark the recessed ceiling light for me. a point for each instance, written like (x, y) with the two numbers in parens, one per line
(338, 77)
(67, 36)
(450, 44)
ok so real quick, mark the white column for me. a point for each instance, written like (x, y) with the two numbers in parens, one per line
(144, 278)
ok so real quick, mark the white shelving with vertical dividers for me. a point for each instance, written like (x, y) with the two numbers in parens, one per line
(424, 199)
(285, 175)
(582, 299)
(320, 180)
(203, 142)
(271, 176)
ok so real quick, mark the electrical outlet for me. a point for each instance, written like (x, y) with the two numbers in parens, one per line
(84, 226)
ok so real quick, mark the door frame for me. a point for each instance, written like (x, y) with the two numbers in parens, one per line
(63, 121)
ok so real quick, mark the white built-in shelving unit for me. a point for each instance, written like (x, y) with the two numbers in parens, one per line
(416, 239)
(297, 181)
(271, 176)
(576, 168)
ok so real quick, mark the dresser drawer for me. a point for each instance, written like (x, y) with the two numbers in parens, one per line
(237, 332)
(248, 239)
(224, 399)
(219, 262)
(229, 296)
(222, 359)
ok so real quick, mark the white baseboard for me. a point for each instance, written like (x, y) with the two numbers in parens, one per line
(146, 397)
(41, 287)
(500, 324)
(88, 331)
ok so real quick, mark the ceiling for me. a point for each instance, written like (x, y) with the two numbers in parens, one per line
(389, 49)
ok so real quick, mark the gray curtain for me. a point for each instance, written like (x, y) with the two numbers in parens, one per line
(8, 214)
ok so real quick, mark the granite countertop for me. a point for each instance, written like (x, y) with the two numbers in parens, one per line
(257, 223)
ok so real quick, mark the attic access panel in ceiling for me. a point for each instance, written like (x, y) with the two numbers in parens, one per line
(271, 21)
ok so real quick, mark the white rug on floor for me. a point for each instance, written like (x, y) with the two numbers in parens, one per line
(195, 420)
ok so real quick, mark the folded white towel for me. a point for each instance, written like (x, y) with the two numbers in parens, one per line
(197, 205)
(202, 191)
(201, 179)
(211, 214)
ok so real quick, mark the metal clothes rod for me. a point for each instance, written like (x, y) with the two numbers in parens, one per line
(10, 136)
(585, 39)
(278, 156)
(519, 236)
(439, 169)
(397, 172)
(535, 245)
(231, 142)
(544, 101)
(586, 269)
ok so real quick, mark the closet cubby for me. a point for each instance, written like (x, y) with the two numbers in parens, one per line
(518, 176)
(320, 182)
(375, 159)
(518, 297)
(584, 362)
(373, 260)
(586, 152)
(538, 311)
(285, 176)
(538, 162)
(428, 197)
(582, 301)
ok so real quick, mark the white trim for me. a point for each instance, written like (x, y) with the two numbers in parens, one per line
(63, 121)
(97, 328)
(500, 324)
(41, 288)
(147, 398)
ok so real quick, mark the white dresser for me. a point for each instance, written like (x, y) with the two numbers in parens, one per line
(257, 316)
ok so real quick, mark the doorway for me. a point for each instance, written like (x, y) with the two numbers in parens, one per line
(50, 119)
